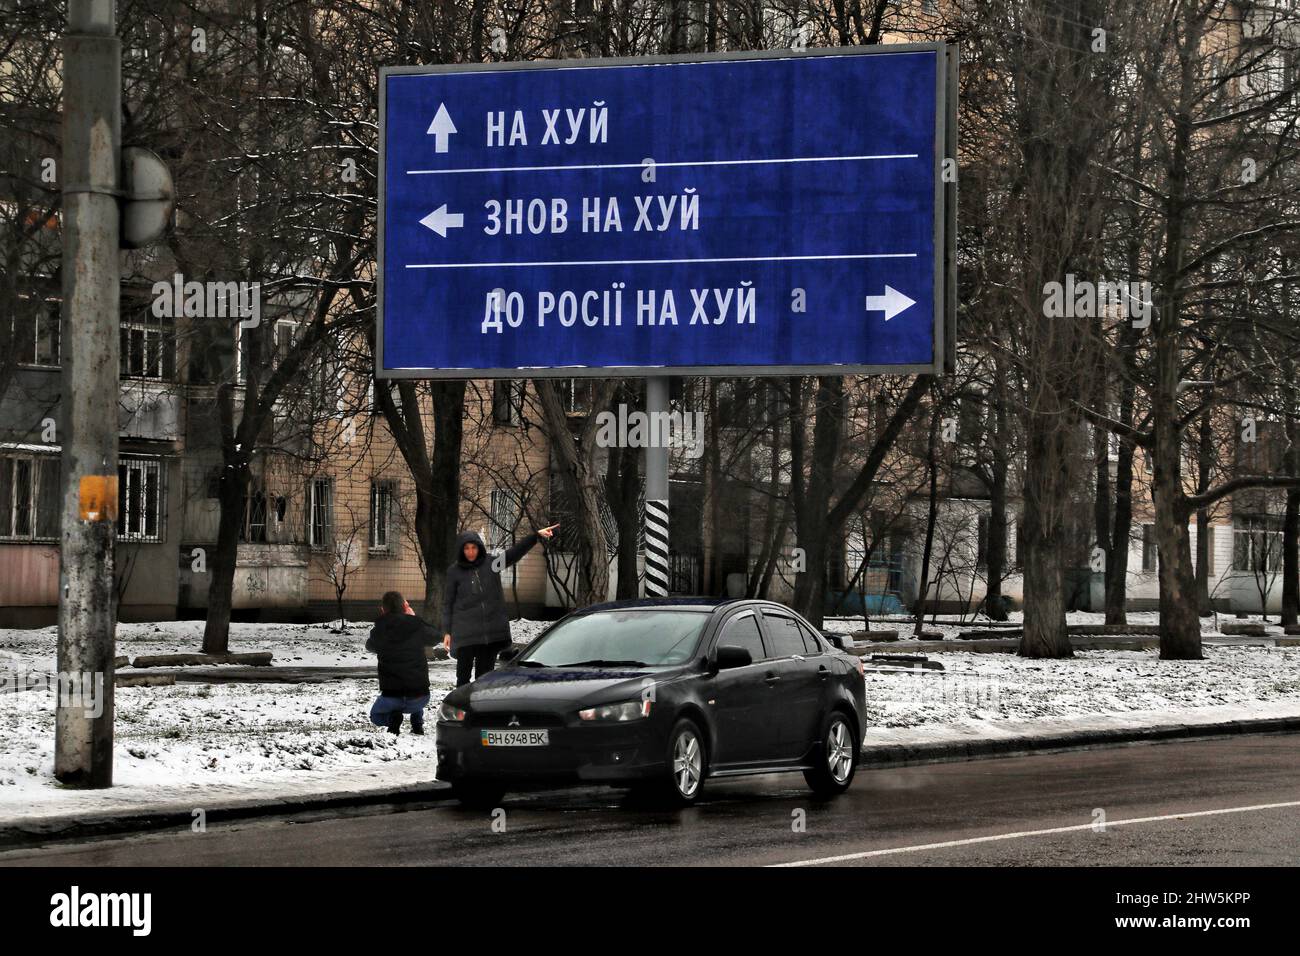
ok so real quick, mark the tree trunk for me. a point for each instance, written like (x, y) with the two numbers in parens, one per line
(1044, 553)
(623, 480)
(1180, 626)
(932, 512)
(1291, 560)
(580, 478)
(1204, 461)
(1121, 527)
(221, 563)
(996, 557)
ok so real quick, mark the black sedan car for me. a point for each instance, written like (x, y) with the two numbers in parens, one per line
(659, 695)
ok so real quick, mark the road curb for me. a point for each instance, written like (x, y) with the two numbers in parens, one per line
(37, 832)
(898, 755)
(40, 831)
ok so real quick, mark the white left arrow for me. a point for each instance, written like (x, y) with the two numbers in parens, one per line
(441, 128)
(440, 220)
(891, 303)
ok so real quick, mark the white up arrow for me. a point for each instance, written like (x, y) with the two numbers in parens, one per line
(440, 220)
(891, 303)
(441, 128)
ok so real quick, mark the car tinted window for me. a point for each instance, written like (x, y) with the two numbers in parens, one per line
(811, 642)
(784, 634)
(650, 637)
(743, 632)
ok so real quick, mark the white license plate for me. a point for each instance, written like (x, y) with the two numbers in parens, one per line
(515, 738)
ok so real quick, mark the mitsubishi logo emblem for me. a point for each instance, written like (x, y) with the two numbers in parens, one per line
(514, 721)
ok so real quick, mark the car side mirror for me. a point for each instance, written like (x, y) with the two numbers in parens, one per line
(730, 655)
(508, 653)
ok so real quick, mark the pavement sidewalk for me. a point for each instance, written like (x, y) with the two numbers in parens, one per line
(73, 814)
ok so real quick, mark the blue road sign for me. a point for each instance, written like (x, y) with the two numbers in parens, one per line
(738, 214)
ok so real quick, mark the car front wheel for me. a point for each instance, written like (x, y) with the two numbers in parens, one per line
(837, 758)
(688, 762)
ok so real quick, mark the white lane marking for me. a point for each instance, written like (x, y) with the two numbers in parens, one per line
(651, 262)
(866, 854)
(703, 162)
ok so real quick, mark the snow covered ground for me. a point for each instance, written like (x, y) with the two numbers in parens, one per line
(200, 742)
(305, 645)
(951, 625)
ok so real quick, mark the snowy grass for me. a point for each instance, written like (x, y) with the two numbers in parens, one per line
(950, 624)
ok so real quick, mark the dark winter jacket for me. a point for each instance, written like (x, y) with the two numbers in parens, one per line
(400, 640)
(473, 602)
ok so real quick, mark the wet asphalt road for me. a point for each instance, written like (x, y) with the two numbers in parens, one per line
(991, 809)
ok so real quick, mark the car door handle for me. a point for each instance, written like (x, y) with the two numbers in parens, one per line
(823, 672)
(771, 679)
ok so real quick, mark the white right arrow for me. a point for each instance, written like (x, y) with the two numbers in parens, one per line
(440, 220)
(441, 128)
(891, 303)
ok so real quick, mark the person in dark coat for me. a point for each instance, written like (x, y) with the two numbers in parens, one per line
(399, 638)
(474, 605)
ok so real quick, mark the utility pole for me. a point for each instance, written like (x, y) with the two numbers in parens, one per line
(92, 135)
(656, 487)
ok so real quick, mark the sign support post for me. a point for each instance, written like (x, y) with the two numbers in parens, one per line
(656, 487)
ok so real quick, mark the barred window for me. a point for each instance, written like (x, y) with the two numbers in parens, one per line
(140, 499)
(381, 502)
(318, 525)
(29, 498)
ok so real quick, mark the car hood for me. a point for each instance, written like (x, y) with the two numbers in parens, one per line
(557, 688)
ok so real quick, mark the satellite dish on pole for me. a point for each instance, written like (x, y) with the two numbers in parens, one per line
(147, 197)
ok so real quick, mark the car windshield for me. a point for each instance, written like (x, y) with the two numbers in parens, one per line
(633, 637)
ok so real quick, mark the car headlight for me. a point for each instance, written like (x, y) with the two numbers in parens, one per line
(628, 710)
(450, 713)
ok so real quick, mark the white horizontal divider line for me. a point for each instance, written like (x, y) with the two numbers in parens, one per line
(1049, 831)
(702, 162)
(651, 262)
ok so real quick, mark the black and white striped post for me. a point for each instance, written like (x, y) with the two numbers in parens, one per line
(656, 489)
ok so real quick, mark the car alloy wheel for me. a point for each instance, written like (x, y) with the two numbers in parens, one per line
(832, 773)
(839, 751)
(688, 762)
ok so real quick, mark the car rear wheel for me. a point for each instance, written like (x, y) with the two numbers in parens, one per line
(688, 762)
(837, 758)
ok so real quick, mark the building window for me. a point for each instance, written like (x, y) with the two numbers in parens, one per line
(505, 518)
(1257, 544)
(575, 395)
(252, 341)
(29, 498)
(140, 499)
(1150, 553)
(35, 327)
(507, 402)
(318, 523)
(381, 507)
(253, 528)
(147, 351)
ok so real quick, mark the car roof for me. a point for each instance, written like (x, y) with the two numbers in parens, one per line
(668, 603)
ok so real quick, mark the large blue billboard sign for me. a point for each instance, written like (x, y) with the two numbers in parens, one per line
(739, 214)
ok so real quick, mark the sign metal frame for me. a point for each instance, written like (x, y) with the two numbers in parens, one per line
(944, 218)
